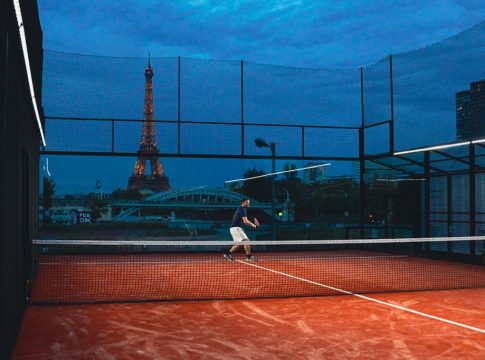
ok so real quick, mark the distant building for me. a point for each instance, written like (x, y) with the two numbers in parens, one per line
(470, 112)
(314, 175)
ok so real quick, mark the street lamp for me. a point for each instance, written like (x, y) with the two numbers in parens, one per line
(262, 143)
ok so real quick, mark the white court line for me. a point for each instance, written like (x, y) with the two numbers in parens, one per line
(369, 298)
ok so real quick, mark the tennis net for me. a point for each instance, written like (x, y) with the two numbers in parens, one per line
(87, 271)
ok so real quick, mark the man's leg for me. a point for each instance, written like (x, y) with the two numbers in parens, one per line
(247, 249)
(232, 250)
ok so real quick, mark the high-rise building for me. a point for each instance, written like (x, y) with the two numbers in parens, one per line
(470, 112)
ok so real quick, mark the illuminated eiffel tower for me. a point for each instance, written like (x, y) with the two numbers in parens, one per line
(148, 151)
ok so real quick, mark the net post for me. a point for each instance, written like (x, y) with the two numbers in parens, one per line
(427, 199)
(178, 104)
(391, 123)
(472, 203)
(362, 158)
(242, 107)
(362, 183)
(386, 216)
(449, 211)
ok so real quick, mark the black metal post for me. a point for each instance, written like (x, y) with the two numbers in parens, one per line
(273, 190)
(179, 117)
(386, 216)
(362, 159)
(391, 124)
(242, 108)
(427, 199)
(472, 201)
(362, 188)
(449, 211)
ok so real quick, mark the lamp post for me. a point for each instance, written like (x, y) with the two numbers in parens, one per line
(262, 143)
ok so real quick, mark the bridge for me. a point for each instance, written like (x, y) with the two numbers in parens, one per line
(193, 198)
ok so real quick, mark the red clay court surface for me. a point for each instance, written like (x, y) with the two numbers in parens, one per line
(330, 327)
(444, 324)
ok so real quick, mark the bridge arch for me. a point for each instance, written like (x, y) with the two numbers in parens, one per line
(198, 198)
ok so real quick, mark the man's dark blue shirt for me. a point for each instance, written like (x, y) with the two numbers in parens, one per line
(237, 217)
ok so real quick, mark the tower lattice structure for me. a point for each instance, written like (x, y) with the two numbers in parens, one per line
(148, 152)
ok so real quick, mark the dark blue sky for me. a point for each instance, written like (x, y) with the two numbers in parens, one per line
(295, 33)
(326, 34)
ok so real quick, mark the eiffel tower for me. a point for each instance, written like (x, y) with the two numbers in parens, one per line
(148, 151)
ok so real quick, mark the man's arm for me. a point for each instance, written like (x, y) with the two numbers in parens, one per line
(247, 222)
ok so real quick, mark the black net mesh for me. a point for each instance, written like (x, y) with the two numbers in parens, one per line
(425, 85)
(106, 87)
(282, 95)
(80, 135)
(210, 139)
(104, 271)
(126, 136)
(439, 206)
(376, 139)
(377, 92)
(95, 104)
(210, 90)
(480, 204)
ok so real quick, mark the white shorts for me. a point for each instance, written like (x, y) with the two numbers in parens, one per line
(238, 234)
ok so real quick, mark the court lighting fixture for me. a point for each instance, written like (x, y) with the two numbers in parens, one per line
(439, 147)
(399, 180)
(279, 172)
(23, 41)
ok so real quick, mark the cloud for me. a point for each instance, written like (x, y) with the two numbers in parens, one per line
(295, 33)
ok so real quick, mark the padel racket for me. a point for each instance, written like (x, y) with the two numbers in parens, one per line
(256, 222)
